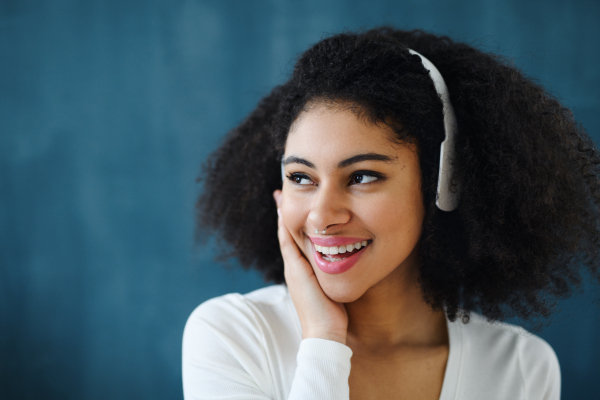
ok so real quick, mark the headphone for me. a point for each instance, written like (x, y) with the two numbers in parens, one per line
(446, 200)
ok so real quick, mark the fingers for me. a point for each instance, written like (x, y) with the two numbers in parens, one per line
(286, 241)
(288, 246)
(295, 265)
(294, 261)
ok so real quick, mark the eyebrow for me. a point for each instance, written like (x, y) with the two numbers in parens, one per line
(365, 157)
(297, 160)
(342, 164)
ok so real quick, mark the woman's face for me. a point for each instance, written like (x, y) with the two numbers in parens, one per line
(350, 178)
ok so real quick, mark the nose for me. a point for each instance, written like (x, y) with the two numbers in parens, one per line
(329, 208)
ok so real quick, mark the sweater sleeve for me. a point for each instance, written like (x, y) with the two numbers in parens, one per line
(224, 355)
(322, 372)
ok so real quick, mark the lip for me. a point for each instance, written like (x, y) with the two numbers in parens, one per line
(336, 267)
(336, 240)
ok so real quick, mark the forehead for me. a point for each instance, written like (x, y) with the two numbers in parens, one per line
(326, 132)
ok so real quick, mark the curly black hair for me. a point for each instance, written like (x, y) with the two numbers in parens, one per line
(527, 221)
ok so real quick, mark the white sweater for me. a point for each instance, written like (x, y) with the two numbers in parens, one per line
(250, 347)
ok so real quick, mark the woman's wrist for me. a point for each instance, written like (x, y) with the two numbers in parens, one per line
(334, 336)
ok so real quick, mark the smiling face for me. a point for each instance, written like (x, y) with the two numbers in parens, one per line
(349, 177)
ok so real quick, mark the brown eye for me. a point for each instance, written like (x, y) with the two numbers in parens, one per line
(364, 177)
(300, 179)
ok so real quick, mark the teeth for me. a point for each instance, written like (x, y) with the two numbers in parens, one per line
(333, 259)
(340, 249)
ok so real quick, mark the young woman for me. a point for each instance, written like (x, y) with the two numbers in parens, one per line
(423, 191)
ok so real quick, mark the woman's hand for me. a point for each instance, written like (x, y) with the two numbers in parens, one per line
(319, 315)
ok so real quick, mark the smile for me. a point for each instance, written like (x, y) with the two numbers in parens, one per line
(332, 258)
(348, 250)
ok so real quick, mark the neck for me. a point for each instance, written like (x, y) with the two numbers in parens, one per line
(392, 313)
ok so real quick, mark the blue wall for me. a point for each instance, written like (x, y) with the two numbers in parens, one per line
(107, 109)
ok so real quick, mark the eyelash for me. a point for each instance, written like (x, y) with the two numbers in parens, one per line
(378, 177)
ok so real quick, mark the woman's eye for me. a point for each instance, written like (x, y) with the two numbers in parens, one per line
(363, 178)
(300, 179)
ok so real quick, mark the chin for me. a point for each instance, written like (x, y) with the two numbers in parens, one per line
(341, 292)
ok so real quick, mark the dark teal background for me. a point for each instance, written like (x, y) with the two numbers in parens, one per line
(108, 108)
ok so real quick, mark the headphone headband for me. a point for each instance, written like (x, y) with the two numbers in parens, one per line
(446, 200)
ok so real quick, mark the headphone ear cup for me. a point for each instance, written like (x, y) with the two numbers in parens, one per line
(446, 199)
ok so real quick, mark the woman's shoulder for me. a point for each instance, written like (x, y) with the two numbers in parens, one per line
(240, 343)
(265, 313)
(268, 302)
(236, 302)
(510, 353)
(507, 338)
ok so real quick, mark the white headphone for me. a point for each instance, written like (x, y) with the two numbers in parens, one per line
(446, 200)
